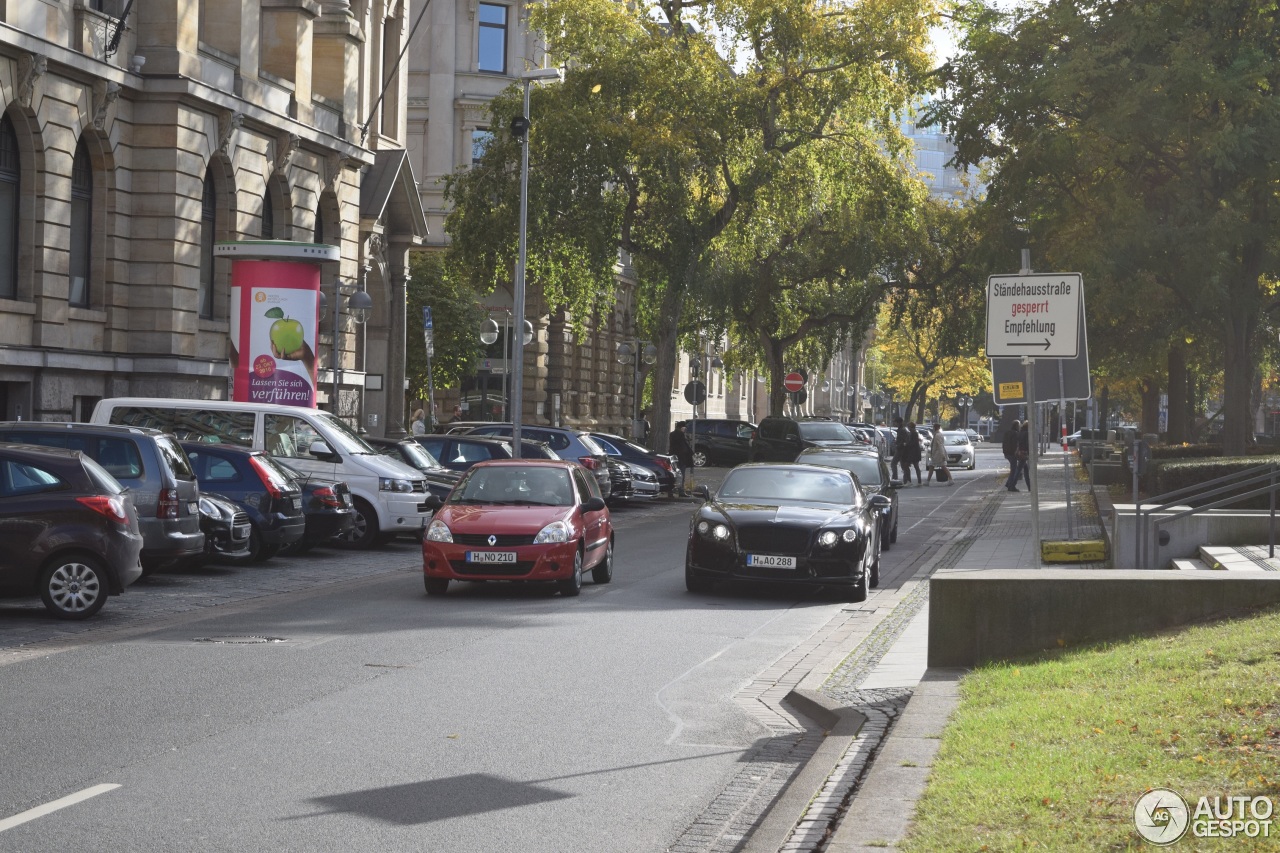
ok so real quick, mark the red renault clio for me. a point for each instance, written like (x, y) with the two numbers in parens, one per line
(520, 520)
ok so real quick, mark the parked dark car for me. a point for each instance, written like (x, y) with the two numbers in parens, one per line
(225, 526)
(806, 525)
(872, 471)
(148, 463)
(574, 445)
(440, 480)
(780, 439)
(259, 486)
(620, 487)
(719, 442)
(329, 510)
(460, 452)
(68, 530)
(664, 468)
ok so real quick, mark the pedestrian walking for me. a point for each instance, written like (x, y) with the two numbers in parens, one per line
(900, 440)
(419, 424)
(1009, 446)
(1024, 453)
(914, 453)
(680, 449)
(938, 462)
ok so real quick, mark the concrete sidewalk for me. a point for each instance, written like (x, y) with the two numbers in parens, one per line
(879, 779)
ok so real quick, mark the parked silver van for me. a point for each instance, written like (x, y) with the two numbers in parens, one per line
(389, 496)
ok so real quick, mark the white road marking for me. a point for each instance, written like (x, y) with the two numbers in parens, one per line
(49, 808)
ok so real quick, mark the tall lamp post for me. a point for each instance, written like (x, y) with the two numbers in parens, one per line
(359, 306)
(489, 335)
(964, 401)
(636, 352)
(520, 129)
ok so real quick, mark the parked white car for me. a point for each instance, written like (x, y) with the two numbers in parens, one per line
(960, 450)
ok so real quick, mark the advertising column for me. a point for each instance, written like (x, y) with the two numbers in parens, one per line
(275, 308)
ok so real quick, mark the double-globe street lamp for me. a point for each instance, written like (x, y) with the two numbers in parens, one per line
(489, 336)
(636, 353)
(359, 306)
(964, 401)
(520, 129)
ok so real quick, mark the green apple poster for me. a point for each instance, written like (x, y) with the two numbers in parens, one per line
(274, 323)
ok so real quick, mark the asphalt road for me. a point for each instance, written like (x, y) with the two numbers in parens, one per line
(494, 718)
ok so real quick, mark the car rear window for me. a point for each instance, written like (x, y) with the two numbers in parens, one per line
(100, 477)
(825, 431)
(20, 478)
(175, 458)
(865, 468)
(121, 458)
(588, 442)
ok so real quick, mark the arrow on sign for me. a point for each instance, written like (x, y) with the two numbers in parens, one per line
(1044, 345)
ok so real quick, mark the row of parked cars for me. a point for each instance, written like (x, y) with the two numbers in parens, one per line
(87, 508)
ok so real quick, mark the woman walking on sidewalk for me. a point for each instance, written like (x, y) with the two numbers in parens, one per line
(1009, 446)
(913, 453)
(938, 462)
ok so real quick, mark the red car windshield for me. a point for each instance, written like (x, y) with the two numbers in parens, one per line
(515, 485)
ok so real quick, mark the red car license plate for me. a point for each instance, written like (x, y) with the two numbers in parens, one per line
(491, 556)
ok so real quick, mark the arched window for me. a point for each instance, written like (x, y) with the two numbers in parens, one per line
(10, 192)
(81, 226)
(208, 229)
(268, 216)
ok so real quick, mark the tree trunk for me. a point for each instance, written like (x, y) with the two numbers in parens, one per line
(1179, 417)
(1241, 322)
(1150, 405)
(773, 354)
(664, 369)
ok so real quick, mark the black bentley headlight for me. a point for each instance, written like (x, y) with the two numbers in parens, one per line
(828, 538)
(711, 530)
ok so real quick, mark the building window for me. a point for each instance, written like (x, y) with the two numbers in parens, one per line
(10, 187)
(491, 48)
(208, 227)
(81, 225)
(319, 236)
(480, 139)
(268, 216)
(390, 77)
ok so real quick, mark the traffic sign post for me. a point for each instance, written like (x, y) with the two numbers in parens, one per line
(428, 341)
(1035, 315)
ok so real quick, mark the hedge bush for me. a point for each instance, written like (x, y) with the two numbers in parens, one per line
(1185, 451)
(1171, 475)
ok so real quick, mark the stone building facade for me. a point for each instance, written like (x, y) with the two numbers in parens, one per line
(130, 145)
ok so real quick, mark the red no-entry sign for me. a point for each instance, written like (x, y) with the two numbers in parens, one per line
(793, 382)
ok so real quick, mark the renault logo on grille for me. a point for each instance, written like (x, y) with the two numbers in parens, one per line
(493, 540)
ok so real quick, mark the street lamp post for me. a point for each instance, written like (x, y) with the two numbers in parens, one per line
(489, 335)
(520, 128)
(964, 401)
(636, 352)
(359, 306)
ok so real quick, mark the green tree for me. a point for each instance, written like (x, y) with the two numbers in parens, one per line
(672, 118)
(1163, 109)
(456, 318)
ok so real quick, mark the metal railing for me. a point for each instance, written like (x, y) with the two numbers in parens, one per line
(1268, 474)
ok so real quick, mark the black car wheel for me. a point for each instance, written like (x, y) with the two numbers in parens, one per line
(573, 585)
(603, 573)
(73, 586)
(700, 459)
(364, 528)
(885, 543)
(857, 592)
(259, 551)
(874, 572)
(436, 586)
(893, 534)
(693, 583)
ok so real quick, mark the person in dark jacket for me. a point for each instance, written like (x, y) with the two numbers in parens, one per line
(901, 438)
(678, 446)
(913, 454)
(1017, 447)
(1009, 446)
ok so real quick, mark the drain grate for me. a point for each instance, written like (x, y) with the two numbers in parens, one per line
(240, 640)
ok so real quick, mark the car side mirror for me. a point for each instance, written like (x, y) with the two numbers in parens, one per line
(320, 450)
(593, 505)
(880, 502)
(433, 503)
(702, 492)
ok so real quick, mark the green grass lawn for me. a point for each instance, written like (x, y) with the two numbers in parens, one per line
(1052, 754)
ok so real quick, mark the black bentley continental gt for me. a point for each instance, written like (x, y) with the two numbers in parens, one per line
(787, 523)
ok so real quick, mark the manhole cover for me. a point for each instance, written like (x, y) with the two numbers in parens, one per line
(243, 640)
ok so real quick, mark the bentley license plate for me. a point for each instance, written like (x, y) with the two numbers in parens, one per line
(491, 556)
(770, 561)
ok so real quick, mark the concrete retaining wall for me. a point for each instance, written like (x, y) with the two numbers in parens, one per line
(992, 615)
(1186, 535)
